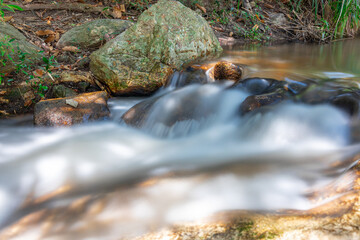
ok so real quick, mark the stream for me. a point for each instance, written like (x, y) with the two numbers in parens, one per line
(102, 180)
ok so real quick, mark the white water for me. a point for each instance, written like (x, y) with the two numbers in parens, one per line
(212, 162)
(138, 180)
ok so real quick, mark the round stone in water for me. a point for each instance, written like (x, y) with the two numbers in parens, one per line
(256, 85)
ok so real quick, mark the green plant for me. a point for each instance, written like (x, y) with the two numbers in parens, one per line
(39, 86)
(221, 16)
(40, 89)
(6, 50)
(6, 43)
(347, 15)
(325, 29)
(345, 19)
(9, 7)
(49, 62)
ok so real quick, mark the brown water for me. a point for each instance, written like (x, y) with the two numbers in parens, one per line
(310, 60)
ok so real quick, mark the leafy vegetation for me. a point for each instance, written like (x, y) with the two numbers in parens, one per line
(8, 49)
(6, 44)
(340, 17)
(9, 7)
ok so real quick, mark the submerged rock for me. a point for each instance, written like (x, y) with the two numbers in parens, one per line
(93, 34)
(254, 102)
(58, 112)
(15, 50)
(256, 86)
(166, 37)
(137, 115)
(348, 102)
(187, 77)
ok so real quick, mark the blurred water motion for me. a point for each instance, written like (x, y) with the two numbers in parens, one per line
(108, 180)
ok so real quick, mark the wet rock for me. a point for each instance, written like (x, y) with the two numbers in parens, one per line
(348, 102)
(355, 131)
(296, 87)
(188, 76)
(137, 115)
(256, 86)
(254, 102)
(55, 112)
(227, 71)
(166, 37)
(14, 44)
(320, 94)
(145, 114)
(60, 91)
(93, 34)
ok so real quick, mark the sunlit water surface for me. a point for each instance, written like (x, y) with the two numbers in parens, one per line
(139, 180)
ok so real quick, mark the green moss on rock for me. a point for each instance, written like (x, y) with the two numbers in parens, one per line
(93, 34)
(167, 36)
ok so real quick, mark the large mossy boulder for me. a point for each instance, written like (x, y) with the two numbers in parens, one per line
(94, 33)
(166, 37)
(15, 50)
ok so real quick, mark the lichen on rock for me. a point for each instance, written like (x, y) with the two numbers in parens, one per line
(166, 37)
(93, 34)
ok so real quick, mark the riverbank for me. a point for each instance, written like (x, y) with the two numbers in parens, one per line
(43, 23)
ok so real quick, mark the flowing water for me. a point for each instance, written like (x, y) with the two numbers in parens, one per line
(106, 179)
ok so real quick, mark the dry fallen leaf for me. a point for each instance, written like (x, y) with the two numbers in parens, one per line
(28, 97)
(218, 29)
(28, 102)
(48, 20)
(6, 19)
(28, 1)
(117, 12)
(65, 67)
(44, 32)
(70, 49)
(122, 8)
(201, 8)
(50, 38)
(262, 21)
(38, 73)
